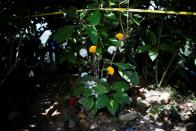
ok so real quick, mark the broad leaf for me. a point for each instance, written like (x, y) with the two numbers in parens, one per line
(87, 92)
(144, 48)
(153, 38)
(82, 91)
(100, 89)
(87, 102)
(113, 107)
(94, 110)
(114, 42)
(102, 101)
(95, 17)
(111, 2)
(138, 16)
(124, 66)
(121, 97)
(130, 76)
(63, 33)
(153, 54)
(110, 15)
(166, 47)
(72, 12)
(120, 85)
(92, 33)
(78, 91)
(82, 14)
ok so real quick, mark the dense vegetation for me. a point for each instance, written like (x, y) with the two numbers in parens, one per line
(156, 49)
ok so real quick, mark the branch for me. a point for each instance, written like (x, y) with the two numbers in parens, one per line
(13, 66)
(158, 46)
(169, 64)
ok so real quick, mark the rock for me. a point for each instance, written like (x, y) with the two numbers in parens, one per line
(81, 115)
(142, 106)
(164, 98)
(129, 116)
(157, 96)
(84, 123)
(93, 126)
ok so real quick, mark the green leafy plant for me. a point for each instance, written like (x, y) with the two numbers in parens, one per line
(102, 95)
(94, 89)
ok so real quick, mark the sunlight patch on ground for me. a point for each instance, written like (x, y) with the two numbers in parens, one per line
(55, 113)
(49, 109)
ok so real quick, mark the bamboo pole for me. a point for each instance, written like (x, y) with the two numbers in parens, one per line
(122, 10)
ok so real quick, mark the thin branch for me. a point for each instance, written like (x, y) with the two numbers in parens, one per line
(168, 66)
(13, 66)
(127, 16)
(158, 46)
(120, 20)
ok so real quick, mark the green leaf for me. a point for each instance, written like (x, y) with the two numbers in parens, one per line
(82, 14)
(72, 12)
(101, 89)
(120, 86)
(82, 91)
(102, 101)
(110, 15)
(111, 2)
(153, 38)
(87, 102)
(130, 76)
(87, 92)
(113, 107)
(153, 54)
(70, 58)
(94, 110)
(63, 33)
(92, 33)
(124, 66)
(144, 48)
(78, 91)
(138, 16)
(95, 18)
(113, 41)
(121, 97)
(166, 47)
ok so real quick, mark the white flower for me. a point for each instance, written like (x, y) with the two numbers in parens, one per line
(84, 74)
(91, 84)
(94, 93)
(83, 52)
(111, 49)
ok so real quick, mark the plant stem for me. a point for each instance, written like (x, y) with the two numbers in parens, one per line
(158, 46)
(14, 65)
(168, 66)
(121, 21)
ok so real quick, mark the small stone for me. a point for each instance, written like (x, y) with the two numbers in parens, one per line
(83, 123)
(81, 115)
(93, 126)
(100, 114)
(129, 116)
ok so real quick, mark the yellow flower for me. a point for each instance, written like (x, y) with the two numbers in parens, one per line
(120, 36)
(110, 70)
(93, 49)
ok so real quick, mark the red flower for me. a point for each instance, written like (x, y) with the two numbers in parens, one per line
(72, 101)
